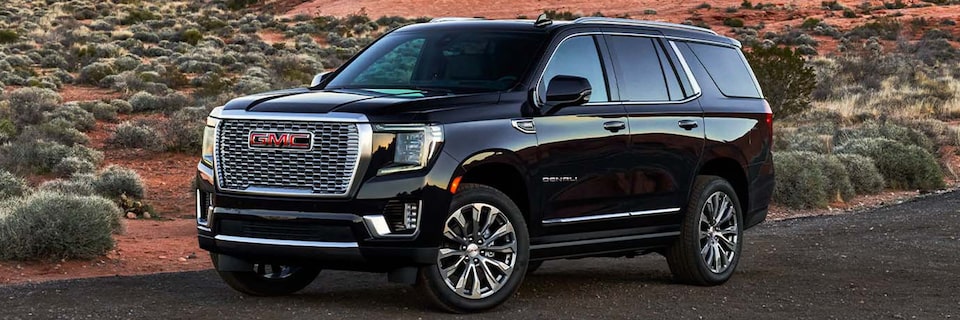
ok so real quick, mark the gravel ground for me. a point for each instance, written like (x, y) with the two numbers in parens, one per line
(899, 262)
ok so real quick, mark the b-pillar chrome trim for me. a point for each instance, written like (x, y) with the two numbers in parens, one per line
(609, 216)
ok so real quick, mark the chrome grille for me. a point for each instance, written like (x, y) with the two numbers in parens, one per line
(325, 170)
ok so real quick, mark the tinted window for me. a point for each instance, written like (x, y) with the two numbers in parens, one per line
(442, 61)
(577, 57)
(727, 69)
(639, 70)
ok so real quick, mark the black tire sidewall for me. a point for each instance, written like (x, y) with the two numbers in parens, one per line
(433, 282)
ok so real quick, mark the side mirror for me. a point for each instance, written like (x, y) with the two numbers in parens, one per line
(565, 91)
(320, 77)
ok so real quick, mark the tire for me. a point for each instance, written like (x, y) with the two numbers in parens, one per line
(267, 280)
(709, 259)
(499, 257)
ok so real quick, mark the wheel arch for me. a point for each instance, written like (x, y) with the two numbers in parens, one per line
(502, 170)
(732, 171)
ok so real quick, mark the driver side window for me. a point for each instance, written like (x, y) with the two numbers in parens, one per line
(577, 56)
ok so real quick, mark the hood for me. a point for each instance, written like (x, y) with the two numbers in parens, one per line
(368, 102)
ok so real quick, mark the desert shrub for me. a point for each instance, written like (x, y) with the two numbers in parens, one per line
(79, 118)
(886, 130)
(134, 16)
(183, 131)
(11, 185)
(115, 181)
(173, 102)
(126, 63)
(78, 184)
(211, 84)
(54, 61)
(886, 28)
(9, 36)
(863, 173)
(104, 111)
(123, 106)
(785, 78)
(41, 227)
(58, 130)
(42, 156)
(93, 73)
(809, 23)
(796, 140)
(733, 22)
(27, 105)
(704, 5)
(135, 135)
(73, 165)
(838, 186)
(902, 166)
(801, 182)
(940, 133)
(192, 36)
(144, 101)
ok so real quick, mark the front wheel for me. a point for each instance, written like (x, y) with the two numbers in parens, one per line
(266, 279)
(483, 253)
(711, 235)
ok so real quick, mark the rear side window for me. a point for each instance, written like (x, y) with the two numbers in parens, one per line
(640, 73)
(727, 70)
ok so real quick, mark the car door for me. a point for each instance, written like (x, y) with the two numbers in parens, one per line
(666, 124)
(583, 169)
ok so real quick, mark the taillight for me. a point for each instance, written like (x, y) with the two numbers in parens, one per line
(768, 118)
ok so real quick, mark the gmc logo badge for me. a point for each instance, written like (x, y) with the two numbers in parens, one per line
(281, 140)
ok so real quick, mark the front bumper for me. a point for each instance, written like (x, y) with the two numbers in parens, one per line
(325, 233)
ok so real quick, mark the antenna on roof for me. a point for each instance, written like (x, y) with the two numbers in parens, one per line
(542, 21)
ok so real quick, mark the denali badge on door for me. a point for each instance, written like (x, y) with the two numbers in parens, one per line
(281, 140)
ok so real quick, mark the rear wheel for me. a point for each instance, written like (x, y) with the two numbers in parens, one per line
(710, 242)
(483, 253)
(267, 279)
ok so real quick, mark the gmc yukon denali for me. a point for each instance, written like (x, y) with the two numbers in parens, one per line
(459, 154)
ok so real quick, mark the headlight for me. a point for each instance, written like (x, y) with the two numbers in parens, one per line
(209, 140)
(415, 145)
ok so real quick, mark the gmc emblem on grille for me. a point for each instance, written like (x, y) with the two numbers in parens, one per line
(281, 140)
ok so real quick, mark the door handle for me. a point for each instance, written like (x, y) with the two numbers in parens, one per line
(614, 126)
(688, 124)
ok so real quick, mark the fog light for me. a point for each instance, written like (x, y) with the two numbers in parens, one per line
(411, 215)
(204, 209)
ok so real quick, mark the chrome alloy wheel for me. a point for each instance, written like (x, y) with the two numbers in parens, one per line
(478, 251)
(719, 232)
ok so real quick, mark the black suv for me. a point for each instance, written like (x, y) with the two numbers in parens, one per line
(460, 154)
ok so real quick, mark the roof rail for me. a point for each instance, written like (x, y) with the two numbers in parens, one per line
(643, 23)
(448, 19)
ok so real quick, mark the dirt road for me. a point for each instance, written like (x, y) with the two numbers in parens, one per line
(899, 262)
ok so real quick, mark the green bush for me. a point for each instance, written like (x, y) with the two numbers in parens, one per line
(183, 131)
(78, 185)
(144, 101)
(79, 118)
(115, 181)
(42, 156)
(58, 130)
(192, 36)
(73, 165)
(863, 173)
(11, 185)
(810, 23)
(104, 111)
(733, 22)
(135, 135)
(785, 78)
(122, 105)
(839, 186)
(50, 225)
(797, 140)
(94, 72)
(27, 105)
(902, 166)
(800, 180)
(886, 130)
(9, 36)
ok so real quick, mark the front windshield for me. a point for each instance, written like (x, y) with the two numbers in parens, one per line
(453, 62)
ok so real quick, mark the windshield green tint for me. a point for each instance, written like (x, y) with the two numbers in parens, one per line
(448, 62)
